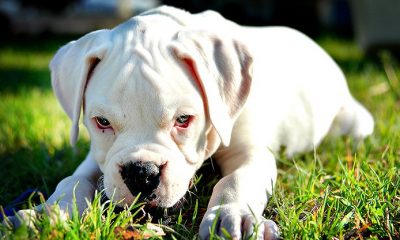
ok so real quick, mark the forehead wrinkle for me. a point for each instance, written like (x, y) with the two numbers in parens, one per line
(140, 51)
(168, 89)
(126, 67)
(147, 92)
(140, 98)
(152, 77)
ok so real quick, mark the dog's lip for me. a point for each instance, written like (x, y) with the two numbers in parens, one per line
(151, 200)
(150, 208)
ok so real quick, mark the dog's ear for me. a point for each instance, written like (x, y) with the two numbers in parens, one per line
(71, 69)
(221, 68)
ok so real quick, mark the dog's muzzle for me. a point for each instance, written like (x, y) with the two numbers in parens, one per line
(141, 177)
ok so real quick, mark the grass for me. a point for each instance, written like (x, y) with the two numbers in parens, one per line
(343, 190)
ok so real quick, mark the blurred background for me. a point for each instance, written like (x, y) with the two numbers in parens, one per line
(374, 24)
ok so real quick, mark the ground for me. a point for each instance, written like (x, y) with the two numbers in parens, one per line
(342, 190)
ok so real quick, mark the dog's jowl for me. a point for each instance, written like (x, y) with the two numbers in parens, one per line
(167, 89)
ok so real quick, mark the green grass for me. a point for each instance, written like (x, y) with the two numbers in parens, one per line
(343, 190)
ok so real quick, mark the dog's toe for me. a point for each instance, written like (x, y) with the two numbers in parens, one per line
(232, 225)
(260, 228)
(271, 230)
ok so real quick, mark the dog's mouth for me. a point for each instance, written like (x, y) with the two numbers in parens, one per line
(150, 207)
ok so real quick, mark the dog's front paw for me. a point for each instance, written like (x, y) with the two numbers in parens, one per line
(26, 216)
(31, 217)
(230, 220)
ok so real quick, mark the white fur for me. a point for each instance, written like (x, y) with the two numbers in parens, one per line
(258, 89)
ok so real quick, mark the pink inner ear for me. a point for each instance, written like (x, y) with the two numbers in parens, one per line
(191, 67)
(92, 65)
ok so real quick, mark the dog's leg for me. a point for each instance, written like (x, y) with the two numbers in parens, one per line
(353, 119)
(82, 184)
(239, 198)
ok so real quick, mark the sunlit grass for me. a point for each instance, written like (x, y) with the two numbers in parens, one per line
(34, 131)
(340, 193)
(346, 190)
(35, 117)
(343, 190)
(12, 58)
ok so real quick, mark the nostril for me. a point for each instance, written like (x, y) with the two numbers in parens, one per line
(140, 177)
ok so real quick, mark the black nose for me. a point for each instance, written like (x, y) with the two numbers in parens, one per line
(141, 177)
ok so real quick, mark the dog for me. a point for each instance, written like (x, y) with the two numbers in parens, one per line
(167, 89)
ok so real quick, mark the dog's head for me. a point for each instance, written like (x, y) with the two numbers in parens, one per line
(157, 99)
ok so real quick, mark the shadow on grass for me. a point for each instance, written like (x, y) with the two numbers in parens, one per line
(45, 43)
(24, 62)
(15, 80)
(38, 166)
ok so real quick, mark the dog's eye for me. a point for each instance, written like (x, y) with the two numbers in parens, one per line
(183, 121)
(102, 123)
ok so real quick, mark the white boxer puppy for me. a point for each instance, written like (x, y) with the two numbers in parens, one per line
(168, 89)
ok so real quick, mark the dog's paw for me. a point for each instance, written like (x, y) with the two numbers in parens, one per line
(234, 222)
(31, 217)
(27, 217)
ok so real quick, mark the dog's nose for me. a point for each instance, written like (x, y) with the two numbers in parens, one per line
(141, 177)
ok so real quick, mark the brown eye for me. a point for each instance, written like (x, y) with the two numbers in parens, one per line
(183, 121)
(102, 123)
